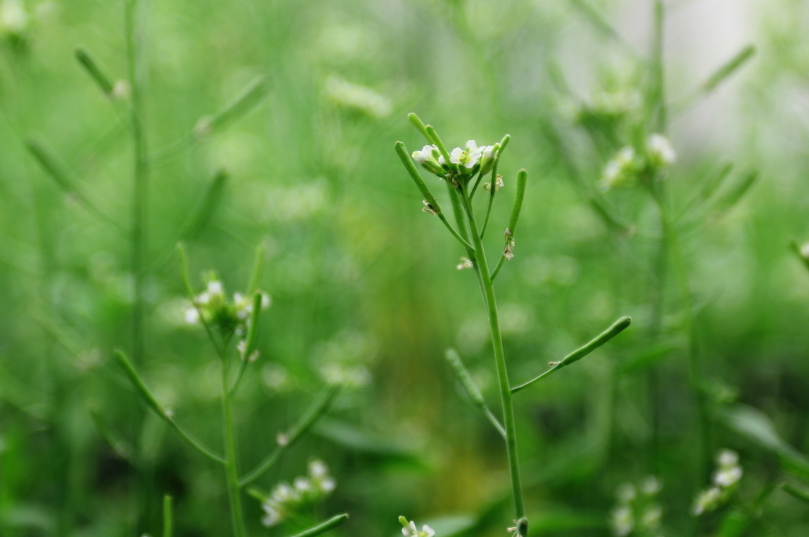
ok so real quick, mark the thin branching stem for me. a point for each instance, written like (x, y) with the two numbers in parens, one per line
(500, 360)
(319, 406)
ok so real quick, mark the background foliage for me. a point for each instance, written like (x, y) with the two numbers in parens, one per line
(361, 278)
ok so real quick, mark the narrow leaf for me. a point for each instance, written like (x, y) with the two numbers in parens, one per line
(728, 68)
(471, 389)
(204, 211)
(243, 103)
(95, 72)
(324, 527)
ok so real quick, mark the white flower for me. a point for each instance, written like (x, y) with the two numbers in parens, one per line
(468, 157)
(661, 154)
(273, 516)
(215, 288)
(409, 529)
(427, 158)
(651, 486)
(728, 476)
(727, 457)
(191, 315)
(620, 171)
(13, 17)
(622, 521)
(805, 250)
(706, 501)
(318, 469)
(426, 153)
(626, 493)
(302, 484)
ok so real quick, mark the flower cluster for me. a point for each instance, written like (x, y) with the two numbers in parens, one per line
(409, 529)
(627, 167)
(286, 499)
(637, 512)
(464, 162)
(725, 480)
(213, 307)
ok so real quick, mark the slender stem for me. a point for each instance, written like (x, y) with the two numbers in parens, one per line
(500, 361)
(231, 472)
(673, 243)
(658, 75)
(498, 267)
(140, 180)
(307, 420)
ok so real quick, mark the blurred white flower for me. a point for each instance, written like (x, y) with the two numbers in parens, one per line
(13, 17)
(661, 154)
(358, 97)
(728, 476)
(409, 529)
(707, 500)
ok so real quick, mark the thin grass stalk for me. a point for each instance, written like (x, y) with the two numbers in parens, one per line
(140, 178)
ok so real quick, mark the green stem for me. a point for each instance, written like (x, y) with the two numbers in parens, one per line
(673, 243)
(658, 94)
(140, 181)
(231, 472)
(307, 420)
(500, 361)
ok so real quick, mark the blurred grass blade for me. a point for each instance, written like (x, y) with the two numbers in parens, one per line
(617, 327)
(243, 103)
(62, 177)
(258, 266)
(471, 389)
(121, 447)
(716, 78)
(252, 331)
(152, 403)
(713, 184)
(168, 516)
(324, 527)
(203, 213)
(89, 65)
(754, 425)
(600, 23)
(735, 193)
(318, 408)
(649, 356)
(730, 67)
(798, 492)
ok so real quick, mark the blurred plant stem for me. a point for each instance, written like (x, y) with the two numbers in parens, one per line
(231, 470)
(140, 175)
(670, 245)
(132, 30)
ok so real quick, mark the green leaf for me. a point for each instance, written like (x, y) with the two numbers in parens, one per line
(758, 428)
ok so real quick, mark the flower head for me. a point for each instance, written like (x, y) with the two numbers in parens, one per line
(468, 157)
(409, 529)
(661, 154)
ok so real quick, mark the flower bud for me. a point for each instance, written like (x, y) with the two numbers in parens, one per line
(487, 158)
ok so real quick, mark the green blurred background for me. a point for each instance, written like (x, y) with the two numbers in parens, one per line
(362, 279)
